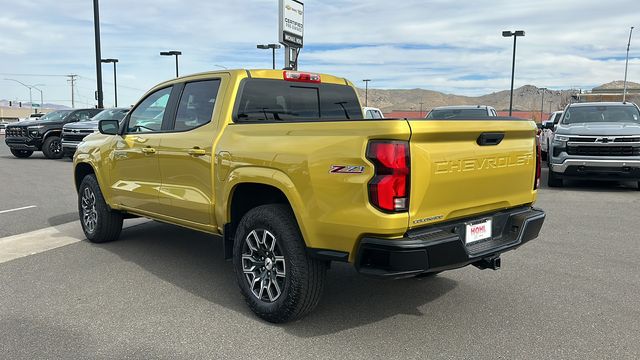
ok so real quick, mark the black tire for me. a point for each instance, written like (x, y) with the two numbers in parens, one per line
(52, 147)
(22, 154)
(554, 180)
(299, 278)
(99, 223)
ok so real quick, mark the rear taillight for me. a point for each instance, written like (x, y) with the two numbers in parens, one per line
(536, 183)
(301, 76)
(389, 188)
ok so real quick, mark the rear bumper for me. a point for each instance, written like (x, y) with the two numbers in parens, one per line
(442, 247)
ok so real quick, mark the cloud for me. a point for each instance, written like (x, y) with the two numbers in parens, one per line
(454, 47)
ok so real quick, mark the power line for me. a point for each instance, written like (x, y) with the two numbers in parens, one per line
(12, 74)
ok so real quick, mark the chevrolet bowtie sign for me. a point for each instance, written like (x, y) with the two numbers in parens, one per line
(291, 20)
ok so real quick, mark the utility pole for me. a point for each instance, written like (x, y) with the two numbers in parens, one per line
(421, 109)
(542, 104)
(96, 25)
(626, 65)
(72, 81)
(366, 91)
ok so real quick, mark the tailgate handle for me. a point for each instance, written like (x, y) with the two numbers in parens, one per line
(490, 139)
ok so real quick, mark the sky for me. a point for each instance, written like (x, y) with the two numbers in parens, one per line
(450, 46)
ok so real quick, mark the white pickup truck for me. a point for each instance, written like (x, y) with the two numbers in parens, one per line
(546, 132)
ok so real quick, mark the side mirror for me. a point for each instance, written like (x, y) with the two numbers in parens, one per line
(548, 125)
(109, 127)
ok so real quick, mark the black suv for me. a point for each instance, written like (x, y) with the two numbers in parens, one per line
(25, 137)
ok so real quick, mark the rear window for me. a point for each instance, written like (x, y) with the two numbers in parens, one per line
(266, 100)
(455, 113)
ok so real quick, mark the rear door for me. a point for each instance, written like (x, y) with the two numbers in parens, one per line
(464, 168)
(185, 153)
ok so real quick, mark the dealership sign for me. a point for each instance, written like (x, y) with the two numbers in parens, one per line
(291, 22)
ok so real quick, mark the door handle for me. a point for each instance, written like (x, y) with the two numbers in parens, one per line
(197, 152)
(148, 150)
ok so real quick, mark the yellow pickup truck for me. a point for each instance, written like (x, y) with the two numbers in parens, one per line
(282, 165)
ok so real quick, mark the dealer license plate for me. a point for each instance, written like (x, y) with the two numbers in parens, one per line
(478, 231)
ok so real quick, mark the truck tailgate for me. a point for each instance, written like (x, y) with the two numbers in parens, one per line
(458, 170)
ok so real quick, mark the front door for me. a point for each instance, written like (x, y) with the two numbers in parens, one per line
(135, 171)
(186, 155)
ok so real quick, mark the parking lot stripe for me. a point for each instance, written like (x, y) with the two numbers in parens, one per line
(18, 209)
(34, 242)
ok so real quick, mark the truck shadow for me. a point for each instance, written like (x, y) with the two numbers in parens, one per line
(193, 261)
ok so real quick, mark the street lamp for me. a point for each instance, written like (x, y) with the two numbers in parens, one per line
(273, 48)
(626, 65)
(115, 78)
(515, 35)
(366, 91)
(172, 53)
(542, 104)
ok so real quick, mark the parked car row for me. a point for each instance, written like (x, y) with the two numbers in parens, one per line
(46, 133)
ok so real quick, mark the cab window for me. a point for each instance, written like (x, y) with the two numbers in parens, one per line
(148, 115)
(196, 104)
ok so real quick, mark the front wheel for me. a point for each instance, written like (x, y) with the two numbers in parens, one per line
(277, 278)
(52, 147)
(22, 154)
(99, 223)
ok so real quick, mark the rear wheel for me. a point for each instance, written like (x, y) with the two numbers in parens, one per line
(554, 180)
(23, 154)
(99, 223)
(277, 278)
(52, 147)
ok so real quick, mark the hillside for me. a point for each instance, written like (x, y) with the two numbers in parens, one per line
(525, 98)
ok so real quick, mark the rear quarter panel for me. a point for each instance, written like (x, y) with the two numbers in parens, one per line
(332, 210)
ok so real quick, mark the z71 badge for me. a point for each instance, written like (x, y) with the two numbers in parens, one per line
(346, 169)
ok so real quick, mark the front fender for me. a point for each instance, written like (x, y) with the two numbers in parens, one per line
(264, 176)
(94, 159)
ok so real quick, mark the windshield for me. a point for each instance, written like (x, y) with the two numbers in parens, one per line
(455, 113)
(55, 116)
(110, 114)
(594, 114)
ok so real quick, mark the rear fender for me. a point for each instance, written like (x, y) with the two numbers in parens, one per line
(265, 176)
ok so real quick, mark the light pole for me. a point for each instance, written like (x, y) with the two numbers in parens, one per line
(115, 78)
(41, 96)
(96, 28)
(515, 35)
(366, 91)
(273, 48)
(421, 109)
(172, 53)
(542, 104)
(626, 65)
(550, 102)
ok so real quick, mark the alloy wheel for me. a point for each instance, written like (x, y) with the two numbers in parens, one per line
(263, 265)
(89, 212)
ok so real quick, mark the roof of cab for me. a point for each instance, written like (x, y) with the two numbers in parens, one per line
(259, 74)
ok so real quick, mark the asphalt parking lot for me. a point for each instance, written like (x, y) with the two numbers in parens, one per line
(163, 292)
